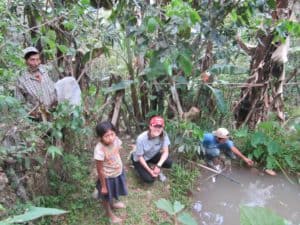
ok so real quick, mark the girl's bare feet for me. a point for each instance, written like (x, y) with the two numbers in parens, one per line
(115, 219)
(118, 205)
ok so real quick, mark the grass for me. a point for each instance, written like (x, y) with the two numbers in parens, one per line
(140, 202)
(140, 210)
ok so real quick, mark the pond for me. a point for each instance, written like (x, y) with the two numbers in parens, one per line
(216, 202)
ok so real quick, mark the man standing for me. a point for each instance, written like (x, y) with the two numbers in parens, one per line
(35, 88)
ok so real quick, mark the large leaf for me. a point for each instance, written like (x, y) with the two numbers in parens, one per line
(152, 24)
(155, 69)
(257, 152)
(33, 213)
(185, 63)
(241, 133)
(273, 147)
(222, 107)
(259, 216)
(259, 138)
(168, 67)
(165, 205)
(177, 207)
(119, 86)
(187, 219)
(54, 151)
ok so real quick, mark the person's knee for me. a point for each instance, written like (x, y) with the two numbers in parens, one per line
(168, 163)
(148, 179)
(212, 153)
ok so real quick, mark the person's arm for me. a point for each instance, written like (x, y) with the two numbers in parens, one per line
(242, 156)
(142, 161)
(164, 156)
(19, 94)
(101, 176)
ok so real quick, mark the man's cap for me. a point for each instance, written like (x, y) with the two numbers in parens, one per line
(157, 120)
(221, 133)
(29, 50)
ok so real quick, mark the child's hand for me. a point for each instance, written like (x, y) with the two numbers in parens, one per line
(104, 191)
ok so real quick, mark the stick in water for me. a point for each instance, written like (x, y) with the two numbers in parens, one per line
(215, 171)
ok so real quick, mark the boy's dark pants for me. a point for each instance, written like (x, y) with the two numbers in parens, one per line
(144, 174)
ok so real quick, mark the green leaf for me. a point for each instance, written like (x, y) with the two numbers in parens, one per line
(165, 205)
(259, 215)
(54, 151)
(152, 24)
(178, 207)
(273, 147)
(33, 213)
(194, 16)
(68, 25)
(163, 223)
(241, 133)
(119, 86)
(185, 64)
(168, 67)
(258, 138)
(271, 4)
(187, 219)
(85, 2)
(181, 80)
(290, 161)
(257, 152)
(234, 16)
(271, 163)
(268, 126)
(62, 48)
(92, 90)
(222, 107)
(2, 208)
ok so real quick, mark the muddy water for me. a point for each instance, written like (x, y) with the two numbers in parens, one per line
(217, 203)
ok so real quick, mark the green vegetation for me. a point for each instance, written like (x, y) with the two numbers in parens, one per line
(182, 181)
(149, 58)
(272, 145)
(259, 215)
(33, 213)
(174, 210)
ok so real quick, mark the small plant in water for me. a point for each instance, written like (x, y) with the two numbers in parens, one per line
(175, 211)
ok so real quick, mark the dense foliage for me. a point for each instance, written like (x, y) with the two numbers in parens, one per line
(151, 58)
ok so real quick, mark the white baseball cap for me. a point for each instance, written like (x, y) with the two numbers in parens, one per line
(30, 49)
(221, 133)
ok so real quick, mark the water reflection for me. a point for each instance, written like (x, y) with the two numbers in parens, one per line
(257, 194)
(218, 203)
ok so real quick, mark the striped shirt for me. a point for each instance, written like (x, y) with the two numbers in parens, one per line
(36, 91)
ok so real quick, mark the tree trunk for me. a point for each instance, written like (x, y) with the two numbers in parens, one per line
(31, 13)
(263, 93)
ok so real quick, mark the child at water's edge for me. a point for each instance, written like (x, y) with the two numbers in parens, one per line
(111, 178)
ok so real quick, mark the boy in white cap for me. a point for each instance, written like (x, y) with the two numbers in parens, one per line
(218, 141)
(35, 88)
